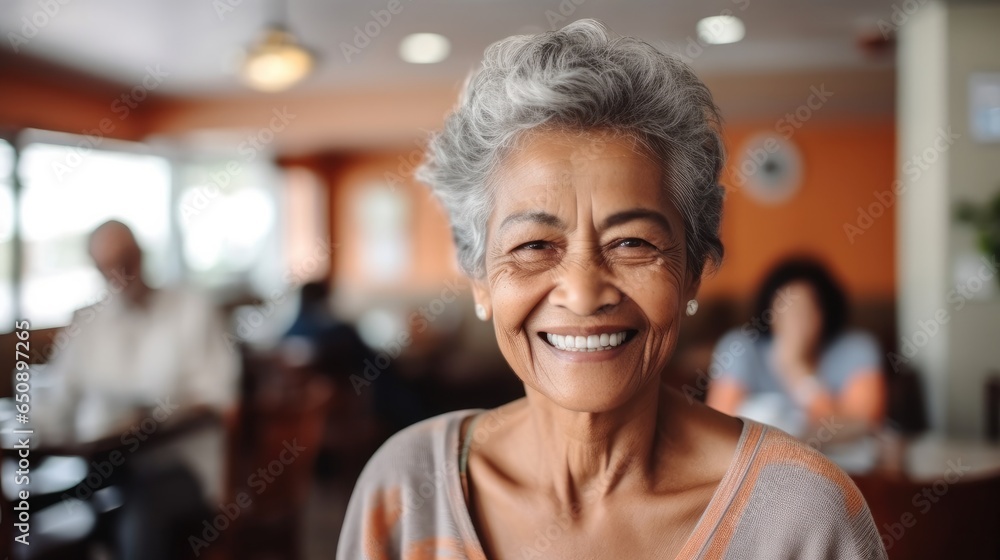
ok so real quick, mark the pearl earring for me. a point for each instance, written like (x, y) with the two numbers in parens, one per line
(692, 307)
(481, 312)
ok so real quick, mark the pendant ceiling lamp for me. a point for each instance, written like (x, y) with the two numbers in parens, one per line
(277, 61)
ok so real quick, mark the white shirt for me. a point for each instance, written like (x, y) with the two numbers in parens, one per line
(169, 355)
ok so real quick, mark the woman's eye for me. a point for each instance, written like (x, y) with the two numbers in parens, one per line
(632, 242)
(533, 246)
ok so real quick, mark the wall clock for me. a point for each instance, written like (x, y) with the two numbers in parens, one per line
(769, 168)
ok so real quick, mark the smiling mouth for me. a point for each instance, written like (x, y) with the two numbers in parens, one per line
(590, 343)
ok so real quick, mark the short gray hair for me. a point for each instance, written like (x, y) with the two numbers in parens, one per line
(581, 77)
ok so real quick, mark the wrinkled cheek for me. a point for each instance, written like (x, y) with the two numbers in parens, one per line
(661, 343)
(660, 340)
(523, 359)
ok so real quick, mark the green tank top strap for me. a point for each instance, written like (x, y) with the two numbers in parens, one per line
(463, 462)
(463, 458)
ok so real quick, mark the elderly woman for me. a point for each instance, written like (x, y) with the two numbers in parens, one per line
(580, 172)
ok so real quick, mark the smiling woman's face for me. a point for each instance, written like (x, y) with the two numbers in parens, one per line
(586, 269)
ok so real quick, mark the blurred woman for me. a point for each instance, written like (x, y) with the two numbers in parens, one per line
(580, 174)
(794, 365)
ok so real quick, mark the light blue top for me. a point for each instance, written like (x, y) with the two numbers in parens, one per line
(745, 356)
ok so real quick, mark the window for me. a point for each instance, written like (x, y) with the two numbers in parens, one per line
(203, 222)
(228, 220)
(7, 317)
(64, 196)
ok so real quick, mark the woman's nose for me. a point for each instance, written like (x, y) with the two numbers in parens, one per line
(584, 287)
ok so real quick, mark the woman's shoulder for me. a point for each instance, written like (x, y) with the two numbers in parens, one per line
(789, 460)
(414, 453)
(796, 491)
(406, 495)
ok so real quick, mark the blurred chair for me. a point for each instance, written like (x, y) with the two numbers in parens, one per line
(288, 412)
(906, 411)
(934, 519)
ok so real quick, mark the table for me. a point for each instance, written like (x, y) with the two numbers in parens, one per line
(77, 472)
(933, 497)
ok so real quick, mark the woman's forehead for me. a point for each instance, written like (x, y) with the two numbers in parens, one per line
(549, 162)
(550, 183)
(578, 145)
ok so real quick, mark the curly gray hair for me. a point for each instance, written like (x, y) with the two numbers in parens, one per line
(581, 77)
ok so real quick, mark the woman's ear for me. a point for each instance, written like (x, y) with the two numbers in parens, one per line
(481, 295)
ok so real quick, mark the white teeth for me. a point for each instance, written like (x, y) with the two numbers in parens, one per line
(591, 343)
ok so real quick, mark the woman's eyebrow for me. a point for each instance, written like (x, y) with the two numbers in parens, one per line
(536, 216)
(626, 216)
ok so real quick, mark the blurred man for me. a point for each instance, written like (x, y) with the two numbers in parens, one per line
(136, 366)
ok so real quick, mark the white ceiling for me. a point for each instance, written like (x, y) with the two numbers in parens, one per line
(198, 46)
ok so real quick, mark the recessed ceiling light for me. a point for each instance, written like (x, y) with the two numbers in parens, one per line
(719, 30)
(424, 48)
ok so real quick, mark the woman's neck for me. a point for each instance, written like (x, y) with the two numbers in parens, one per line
(580, 457)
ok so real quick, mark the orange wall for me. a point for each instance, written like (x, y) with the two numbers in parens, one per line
(844, 163)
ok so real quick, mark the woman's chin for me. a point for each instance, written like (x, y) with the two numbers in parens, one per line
(587, 381)
(593, 393)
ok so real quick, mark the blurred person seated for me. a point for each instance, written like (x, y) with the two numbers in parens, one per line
(794, 365)
(318, 339)
(136, 365)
